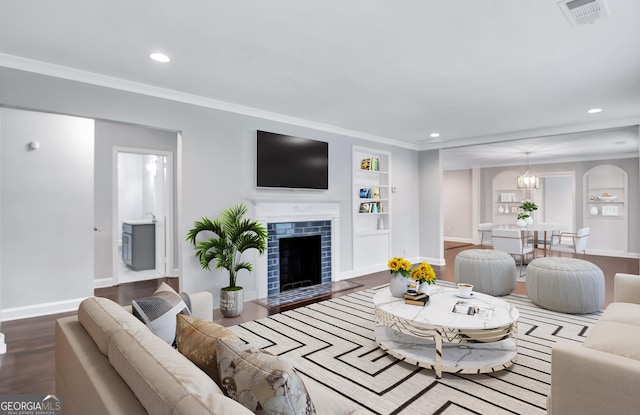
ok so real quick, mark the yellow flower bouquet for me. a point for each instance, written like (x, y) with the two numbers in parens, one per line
(399, 265)
(423, 273)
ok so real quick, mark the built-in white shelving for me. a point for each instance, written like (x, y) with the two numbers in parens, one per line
(371, 207)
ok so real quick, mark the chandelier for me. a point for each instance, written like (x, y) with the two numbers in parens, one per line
(527, 180)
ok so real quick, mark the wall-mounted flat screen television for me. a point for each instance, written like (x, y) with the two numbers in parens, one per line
(284, 161)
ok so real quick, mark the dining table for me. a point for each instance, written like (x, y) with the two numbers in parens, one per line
(545, 228)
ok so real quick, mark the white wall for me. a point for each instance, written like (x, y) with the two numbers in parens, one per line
(216, 162)
(47, 212)
(458, 206)
(109, 135)
(430, 197)
(558, 200)
(131, 193)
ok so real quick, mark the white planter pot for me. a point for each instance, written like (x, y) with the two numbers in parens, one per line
(529, 221)
(231, 302)
(398, 285)
(424, 288)
(521, 223)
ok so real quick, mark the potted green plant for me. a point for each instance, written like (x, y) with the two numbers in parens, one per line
(522, 219)
(233, 235)
(528, 206)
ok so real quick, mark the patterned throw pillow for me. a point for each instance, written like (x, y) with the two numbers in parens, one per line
(197, 340)
(159, 311)
(263, 383)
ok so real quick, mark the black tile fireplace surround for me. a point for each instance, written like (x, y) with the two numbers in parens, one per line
(301, 269)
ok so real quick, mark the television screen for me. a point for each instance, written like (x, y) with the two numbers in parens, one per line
(291, 162)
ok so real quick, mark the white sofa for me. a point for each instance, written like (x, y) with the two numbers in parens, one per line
(109, 362)
(602, 375)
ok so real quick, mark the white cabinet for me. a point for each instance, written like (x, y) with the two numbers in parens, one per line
(371, 208)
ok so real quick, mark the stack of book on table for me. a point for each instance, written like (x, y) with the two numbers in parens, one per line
(416, 298)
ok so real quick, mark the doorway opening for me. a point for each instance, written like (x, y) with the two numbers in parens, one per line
(143, 210)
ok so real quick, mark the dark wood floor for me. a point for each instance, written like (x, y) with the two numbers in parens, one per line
(29, 367)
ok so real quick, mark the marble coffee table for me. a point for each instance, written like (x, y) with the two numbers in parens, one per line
(435, 337)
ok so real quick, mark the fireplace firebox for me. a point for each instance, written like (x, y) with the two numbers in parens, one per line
(300, 262)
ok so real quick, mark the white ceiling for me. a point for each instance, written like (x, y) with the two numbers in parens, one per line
(393, 71)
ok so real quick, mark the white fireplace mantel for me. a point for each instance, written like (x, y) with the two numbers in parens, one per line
(276, 212)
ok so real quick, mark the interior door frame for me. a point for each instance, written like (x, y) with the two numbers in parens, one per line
(169, 206)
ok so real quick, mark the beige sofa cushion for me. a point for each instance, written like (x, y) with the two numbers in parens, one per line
(618, 338)
(163, 380)
(102, 318)
(85, 379)
(627, 313)
(196, 340)
(617, 331)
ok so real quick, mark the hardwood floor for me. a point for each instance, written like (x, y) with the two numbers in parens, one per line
(29, 366)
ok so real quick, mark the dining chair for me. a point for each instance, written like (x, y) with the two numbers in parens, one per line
(513, 242)
(485, 231)
(577, 245)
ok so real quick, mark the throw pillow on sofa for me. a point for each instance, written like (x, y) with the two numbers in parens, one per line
(159, 311)
(261, 382)
(197, 340)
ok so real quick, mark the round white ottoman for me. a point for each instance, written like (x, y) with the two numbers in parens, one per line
(568, 285)
(491, 272)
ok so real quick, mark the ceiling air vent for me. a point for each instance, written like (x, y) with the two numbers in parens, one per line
(579, 12)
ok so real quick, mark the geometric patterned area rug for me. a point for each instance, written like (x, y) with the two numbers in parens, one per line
(333, 343)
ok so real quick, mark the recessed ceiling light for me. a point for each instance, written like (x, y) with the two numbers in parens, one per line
(594, 110)
(159, 57)
(434, 135)
(620, 142)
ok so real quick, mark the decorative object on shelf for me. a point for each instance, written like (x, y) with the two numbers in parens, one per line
(592, 197)
(609, 210)
(234, 234)
(606, 197)
(380, 223)
(594, 211)
(500, 209)
(528, 181)
(424, 276)
(399, 269)
(372, 164)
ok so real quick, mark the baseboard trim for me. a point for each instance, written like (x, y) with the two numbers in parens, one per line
(612, 253)
(103, 282)
(38, 310)
(461, 240)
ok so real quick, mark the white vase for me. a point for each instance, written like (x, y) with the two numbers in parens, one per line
(500, 209)
(424, 288)
(398, 285)
(522, 223)
(529, 221)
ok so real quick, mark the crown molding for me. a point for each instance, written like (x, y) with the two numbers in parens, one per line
(72, 74)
